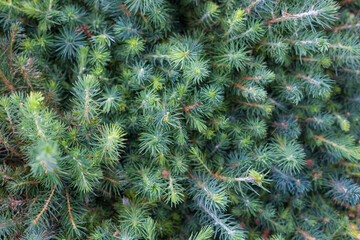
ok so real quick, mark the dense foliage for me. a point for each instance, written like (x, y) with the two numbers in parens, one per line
(179, 119)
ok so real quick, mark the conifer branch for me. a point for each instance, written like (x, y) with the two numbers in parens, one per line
(287, 16)
(343, 2)
(335, 145)
(252, 104)
(27, 183)
(216, 175)
(69, 209)
(9, 118)
(4, 142)
(347, 164)
(357, 72)
(9, 4)
(7, 82)
(252, 5)
(111, 180)
(344, 27)
(306, 235)
(219, 221)
(47, 202)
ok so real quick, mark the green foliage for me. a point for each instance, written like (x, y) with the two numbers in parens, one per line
(288, 155)
(204, 234)
(86, 90)
(186, 119)
(68, 42)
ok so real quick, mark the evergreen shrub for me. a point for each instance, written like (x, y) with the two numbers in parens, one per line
(179, 119)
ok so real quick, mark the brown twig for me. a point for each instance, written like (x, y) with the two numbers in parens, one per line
(11, 47)
(348, 26)
(69, 209)
(345, 2)
(7, 82)
(36, 220)
(2, 140)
